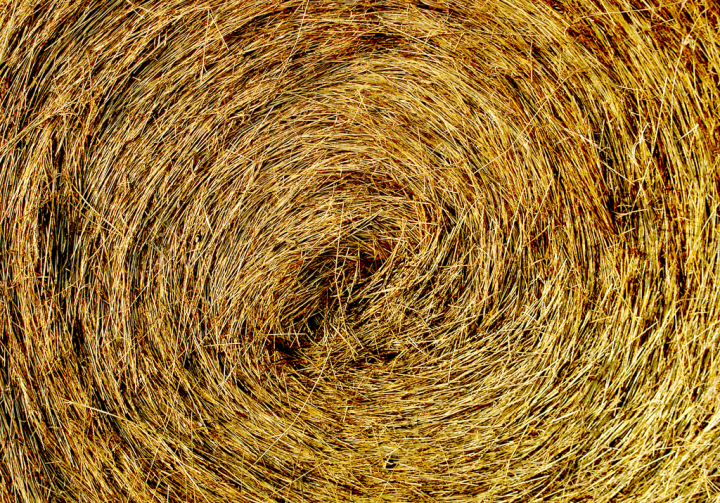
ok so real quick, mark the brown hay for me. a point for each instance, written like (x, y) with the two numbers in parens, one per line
(360, 250)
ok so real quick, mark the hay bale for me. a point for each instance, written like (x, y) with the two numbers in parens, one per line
(359, 250)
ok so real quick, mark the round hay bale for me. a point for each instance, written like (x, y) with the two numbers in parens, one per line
(379, 250)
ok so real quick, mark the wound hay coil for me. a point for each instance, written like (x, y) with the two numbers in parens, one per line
(316, 250)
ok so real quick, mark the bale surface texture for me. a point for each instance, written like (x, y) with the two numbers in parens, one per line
(380, 250)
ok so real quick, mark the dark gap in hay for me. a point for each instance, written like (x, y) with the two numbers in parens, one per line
(381, 357)
(379, 40)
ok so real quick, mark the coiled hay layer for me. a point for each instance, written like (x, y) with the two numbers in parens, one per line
(319, 250)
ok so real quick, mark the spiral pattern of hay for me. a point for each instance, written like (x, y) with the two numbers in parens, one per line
(379, 250)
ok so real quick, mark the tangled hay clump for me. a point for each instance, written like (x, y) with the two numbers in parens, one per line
(379, 250)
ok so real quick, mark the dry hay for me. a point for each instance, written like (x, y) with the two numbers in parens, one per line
(360, 250)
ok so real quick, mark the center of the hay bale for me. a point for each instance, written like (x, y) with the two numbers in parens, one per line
(339, 284)
(331, 267)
